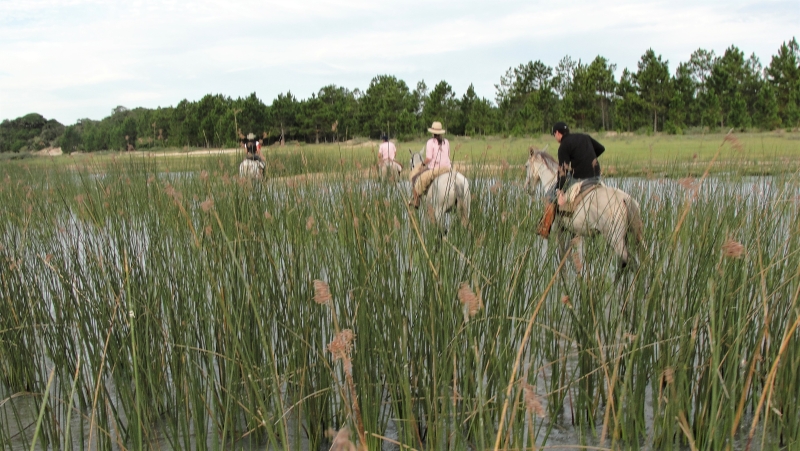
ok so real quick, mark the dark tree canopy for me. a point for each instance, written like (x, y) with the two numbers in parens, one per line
(705, 92)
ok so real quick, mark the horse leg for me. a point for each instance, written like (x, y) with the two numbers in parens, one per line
(442, 221)
(577, 252)
(617, 240)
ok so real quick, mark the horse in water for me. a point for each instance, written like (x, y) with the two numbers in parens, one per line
(446, 192)
(389, 170)
(605, 210)
(251, 169)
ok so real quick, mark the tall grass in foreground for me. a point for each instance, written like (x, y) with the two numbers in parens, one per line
(180, 311)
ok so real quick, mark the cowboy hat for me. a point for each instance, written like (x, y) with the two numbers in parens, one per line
(251, 136)
(436, 128)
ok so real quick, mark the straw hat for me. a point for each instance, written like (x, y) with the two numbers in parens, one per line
(436, 128)
(251, 136)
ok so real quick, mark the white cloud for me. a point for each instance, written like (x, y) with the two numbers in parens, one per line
(76, 58)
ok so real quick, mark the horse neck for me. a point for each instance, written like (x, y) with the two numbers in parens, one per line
(546, 175)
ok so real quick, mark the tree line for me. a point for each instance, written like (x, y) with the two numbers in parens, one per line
(708, 92)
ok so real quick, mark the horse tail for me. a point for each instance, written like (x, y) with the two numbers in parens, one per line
(463, 198)
(635, 225)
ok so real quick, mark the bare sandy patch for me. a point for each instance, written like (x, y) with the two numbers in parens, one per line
(50, 152)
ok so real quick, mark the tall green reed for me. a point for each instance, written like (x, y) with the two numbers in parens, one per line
(176, 310)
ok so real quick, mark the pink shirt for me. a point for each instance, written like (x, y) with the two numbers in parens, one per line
(439, 155)
(387, 151)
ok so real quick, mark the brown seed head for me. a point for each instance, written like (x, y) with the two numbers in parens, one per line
(322, 293)
(668, 376)
(732, 249)
(342, 344)
(341, 442)
(204, 175)
(207, 205)
(734, 141)
(310, 223)
(532, 402)
(688, 183)
(467, 297)
(173, 193)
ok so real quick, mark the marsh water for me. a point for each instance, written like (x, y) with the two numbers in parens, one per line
(78, 242)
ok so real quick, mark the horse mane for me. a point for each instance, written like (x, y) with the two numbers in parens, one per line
(547, 159)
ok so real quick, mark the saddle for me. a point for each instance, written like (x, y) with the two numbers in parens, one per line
(576, 193)
(423, 179)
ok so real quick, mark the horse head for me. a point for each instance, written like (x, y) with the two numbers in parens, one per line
(416, 158)
(537, 161)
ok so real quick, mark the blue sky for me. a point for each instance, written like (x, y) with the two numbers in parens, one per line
(71, 59)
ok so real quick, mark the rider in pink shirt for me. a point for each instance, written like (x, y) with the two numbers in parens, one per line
(437, 150)
(387, 150)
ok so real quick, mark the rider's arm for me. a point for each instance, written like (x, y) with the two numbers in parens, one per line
(429, 151)
(598, 148)
(563, 165)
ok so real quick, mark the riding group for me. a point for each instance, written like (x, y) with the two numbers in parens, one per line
(575, 193)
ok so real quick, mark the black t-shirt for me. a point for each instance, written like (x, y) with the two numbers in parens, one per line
(250, 145)
(577, 156)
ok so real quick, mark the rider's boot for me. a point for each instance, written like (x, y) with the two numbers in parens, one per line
(414, 200)
(547, 220)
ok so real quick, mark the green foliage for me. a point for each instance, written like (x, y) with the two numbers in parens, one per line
(707, 92)
(28, 133)
(655, 85)
(783, 74)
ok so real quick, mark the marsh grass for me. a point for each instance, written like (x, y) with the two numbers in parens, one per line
(189, 309)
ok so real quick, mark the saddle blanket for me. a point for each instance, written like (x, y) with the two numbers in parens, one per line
(576, 192)
(423, 178)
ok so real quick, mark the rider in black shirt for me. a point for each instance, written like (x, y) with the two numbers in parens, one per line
(577, 161)
(252, 147)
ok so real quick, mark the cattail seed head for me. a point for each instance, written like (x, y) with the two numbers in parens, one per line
(532, 402)
(207, 205)
(322, 294)
(472, 302)
(668, 376)
(732, 249)
(341, 345)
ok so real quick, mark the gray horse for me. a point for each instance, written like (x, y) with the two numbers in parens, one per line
(605, 210)
(448, 191)
(389, 170)
(251, 169)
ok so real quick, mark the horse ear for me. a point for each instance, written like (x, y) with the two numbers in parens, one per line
(530, 150)
(410, 152)
(545, 147)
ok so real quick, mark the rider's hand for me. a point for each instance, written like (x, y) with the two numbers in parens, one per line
(561, 198)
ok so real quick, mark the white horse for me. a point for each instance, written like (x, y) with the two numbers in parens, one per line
(389, 170)
(608, 211)
(251, 169)
(447, 191)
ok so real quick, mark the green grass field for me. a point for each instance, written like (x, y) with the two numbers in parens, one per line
(634, 155)
(165, 303)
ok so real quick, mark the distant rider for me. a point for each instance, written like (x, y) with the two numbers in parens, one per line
(253, 148)
(387, 151)
(577, 161)
(437, 161)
